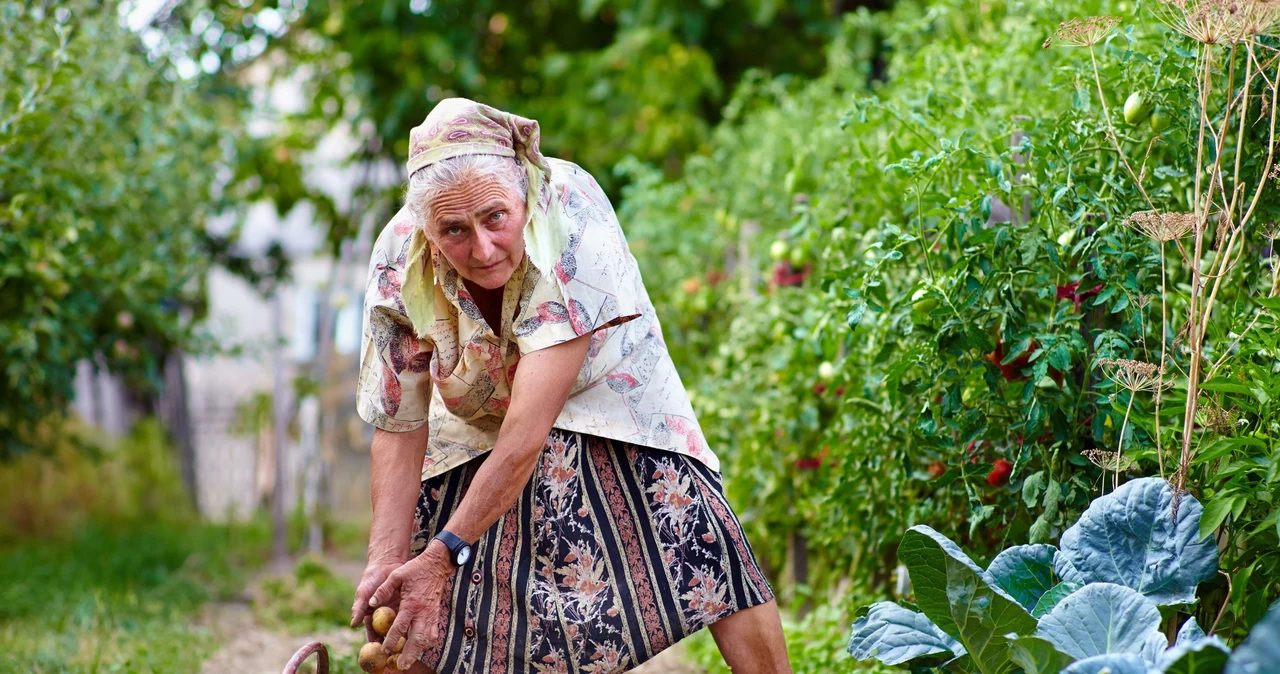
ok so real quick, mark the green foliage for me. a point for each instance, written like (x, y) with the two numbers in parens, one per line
(105, 181)
(965, 334)
(606, 79)
(599, 75)
(1103, 623)
(312, 599)
(815, 643)
(78, 478)
(119, 597)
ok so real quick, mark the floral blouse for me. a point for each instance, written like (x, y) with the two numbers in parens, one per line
(455, 374)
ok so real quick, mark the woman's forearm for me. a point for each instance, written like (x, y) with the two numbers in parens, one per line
(395, 479)
(543, 382)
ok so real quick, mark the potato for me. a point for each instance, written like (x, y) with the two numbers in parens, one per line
(382, 619)
(372, 659)
(399, 646)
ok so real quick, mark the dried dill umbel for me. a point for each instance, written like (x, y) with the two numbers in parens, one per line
(1083, 32)
(1163, 227)
(1114, 462)
(1134, 375)
(1218, 419)
(1220, 21)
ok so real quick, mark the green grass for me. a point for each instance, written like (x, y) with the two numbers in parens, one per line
(119, 598)
(311, 599)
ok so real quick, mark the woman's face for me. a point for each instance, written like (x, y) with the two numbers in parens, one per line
(479, 228)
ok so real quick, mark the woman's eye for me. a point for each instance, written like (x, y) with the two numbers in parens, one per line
(497, 216)
(453, 231)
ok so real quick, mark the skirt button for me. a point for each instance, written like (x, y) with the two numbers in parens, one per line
(476, 577)
(469, 631)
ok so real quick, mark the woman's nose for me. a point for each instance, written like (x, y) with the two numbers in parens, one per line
(484, 246)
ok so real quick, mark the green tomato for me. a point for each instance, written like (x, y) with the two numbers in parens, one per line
(799, 256)
(1160, 120)
(779, 250)
(922, 302)
(1067, 238)
(1136, 109)
(826, 371)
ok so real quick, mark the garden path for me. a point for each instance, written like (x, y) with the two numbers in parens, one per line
(247, 647)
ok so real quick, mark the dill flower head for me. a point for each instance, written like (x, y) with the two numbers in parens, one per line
(1221, 21)
(1262, 18)
(1162, 226)
(1134, 375)
(1114, 462)
(1218, 419)
(1083, 32)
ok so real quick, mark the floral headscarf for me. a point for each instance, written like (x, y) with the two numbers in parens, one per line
(457, 127)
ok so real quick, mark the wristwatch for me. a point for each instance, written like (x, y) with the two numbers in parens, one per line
(459, 550)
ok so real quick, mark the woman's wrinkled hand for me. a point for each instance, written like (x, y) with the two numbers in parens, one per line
(376, 573)
(420, 584)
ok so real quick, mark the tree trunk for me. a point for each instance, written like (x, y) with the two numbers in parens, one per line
(281, 429)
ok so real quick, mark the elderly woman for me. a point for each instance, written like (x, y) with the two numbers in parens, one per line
(543, 497)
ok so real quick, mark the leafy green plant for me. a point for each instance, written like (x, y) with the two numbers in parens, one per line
(312, 598)
(116, 596)
(109, 172)
(1093, 603)
(991, 309)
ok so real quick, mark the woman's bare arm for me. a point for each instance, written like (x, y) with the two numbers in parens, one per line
(395, 478)
(542, 384)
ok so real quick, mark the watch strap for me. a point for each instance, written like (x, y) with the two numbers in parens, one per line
(452, 542)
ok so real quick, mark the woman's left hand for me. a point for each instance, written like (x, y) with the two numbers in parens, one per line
(421, 583)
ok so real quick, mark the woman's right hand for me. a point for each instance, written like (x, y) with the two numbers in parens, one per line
(375, 574)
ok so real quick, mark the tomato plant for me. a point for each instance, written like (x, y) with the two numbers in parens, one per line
(977, 276)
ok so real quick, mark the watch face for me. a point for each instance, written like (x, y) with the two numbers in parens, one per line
(464, 553)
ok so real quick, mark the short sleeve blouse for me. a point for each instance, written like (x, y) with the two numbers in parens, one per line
(454, 372)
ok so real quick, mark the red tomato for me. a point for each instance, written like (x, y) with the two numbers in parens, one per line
(999, 474)
(1011, 371)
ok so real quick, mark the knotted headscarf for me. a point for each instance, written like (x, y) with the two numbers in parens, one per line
(457, 127)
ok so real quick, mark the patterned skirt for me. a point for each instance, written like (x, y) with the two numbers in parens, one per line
(612, 553)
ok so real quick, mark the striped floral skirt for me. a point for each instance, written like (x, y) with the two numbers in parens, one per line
(612, 553)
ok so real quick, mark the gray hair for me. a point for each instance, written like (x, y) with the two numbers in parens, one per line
(429, 182)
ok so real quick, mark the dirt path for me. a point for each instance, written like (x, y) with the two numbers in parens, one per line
(248, 648)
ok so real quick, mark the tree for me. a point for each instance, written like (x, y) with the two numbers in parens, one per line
(108, 166)
(606, 78)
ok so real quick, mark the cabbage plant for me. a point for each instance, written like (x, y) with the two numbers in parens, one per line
(1092, 605)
